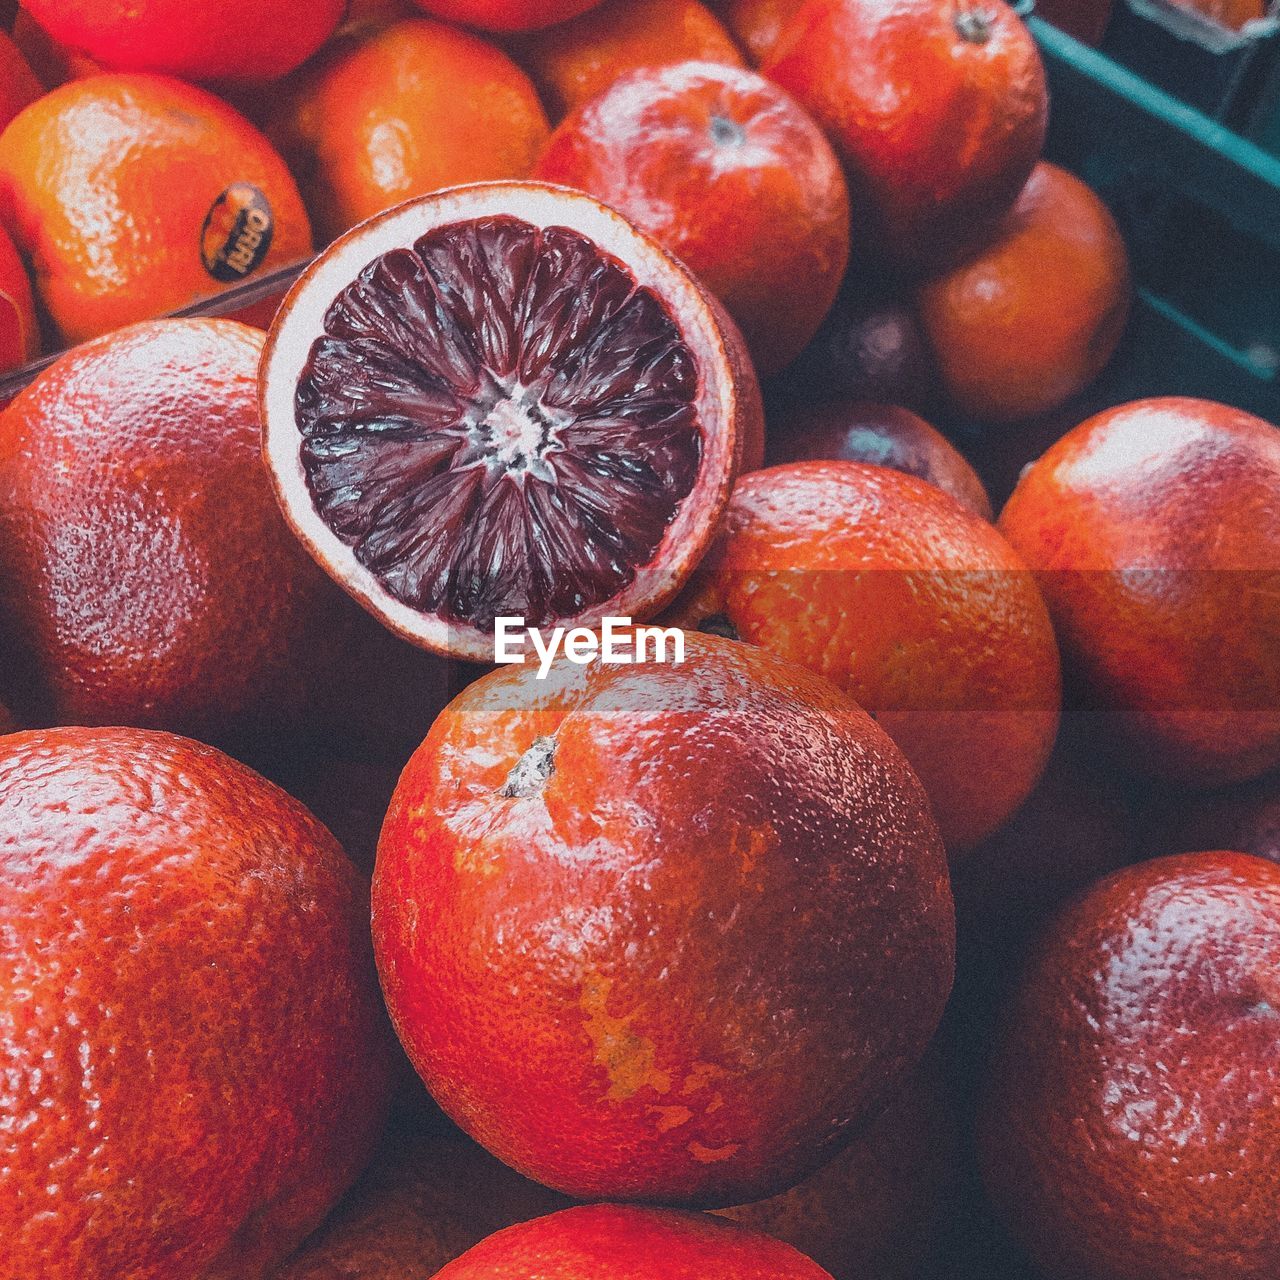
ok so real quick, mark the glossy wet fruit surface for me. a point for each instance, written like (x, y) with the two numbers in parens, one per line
(915, 607)
(135, 195)
(939, 111)
(624, 1002)
(1131, 1127)
(394, 110)
(1032, 319)
(617, 1242)
(497, 415)
(1154, 532)
(204, 615)
(733, 178)
(195, 1060)
(882, 434)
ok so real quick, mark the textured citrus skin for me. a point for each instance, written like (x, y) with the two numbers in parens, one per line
(145, 569)
(203, 41)
(873, 1212)
(391, 112)
(1154, 529)
(18, 84)
(19, 328)
(915, 607)
(579, 59)
(1033, 318)
(731, 176)
(882, 434)
(106, 183)
(1132, 1119)
(937, 157)
(759, 24)
(685, 964)
(195, 1062)
(425, 1199)
(506, 15)
(618, 1242)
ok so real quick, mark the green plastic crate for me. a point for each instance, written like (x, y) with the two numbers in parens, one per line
(1200, 209)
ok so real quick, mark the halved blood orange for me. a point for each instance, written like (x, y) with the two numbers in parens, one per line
(503, 400)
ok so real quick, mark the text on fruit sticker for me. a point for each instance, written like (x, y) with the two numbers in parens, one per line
(618, 643)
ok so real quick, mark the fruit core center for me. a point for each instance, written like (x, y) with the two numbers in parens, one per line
(500, 420)
(515, 435)
(975, 25)
(726, 132)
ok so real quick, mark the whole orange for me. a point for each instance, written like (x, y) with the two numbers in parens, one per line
(729, 174)
(914, 606)
(391, 112)
(621, 1242)
(135, 195)
(577, 60)
(19, 328)
(882, 434)
(1154, 531)
(207, 40)
(1034, 317)
(195, 1061)
(633, 955)
(506, 15)
(1131, 1125)
(759, 24)
(18, 84)
(146, 574)
(425, 1199)
(937, 108)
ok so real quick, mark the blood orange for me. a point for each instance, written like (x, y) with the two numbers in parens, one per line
(662, 932)
(618, 1242)
(498, 400)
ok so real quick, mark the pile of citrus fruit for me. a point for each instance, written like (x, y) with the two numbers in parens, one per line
(525, 752)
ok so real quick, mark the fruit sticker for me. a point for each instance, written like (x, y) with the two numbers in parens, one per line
(237, 233)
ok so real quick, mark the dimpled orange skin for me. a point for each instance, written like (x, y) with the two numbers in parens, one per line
(874, 1211)
(144, 565)
(195, 1062)
(882, 434)
(733, 178)
(938, 110)
(1154, 530)
(622, 1242)
(579, 59)
(392, 112)
(1131, 1128)
(426, 1198)
(1033, 318)
(19, 328)
(105, 184)
(506, 15)
(682, 965)
(209, 40)
(917, 608)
